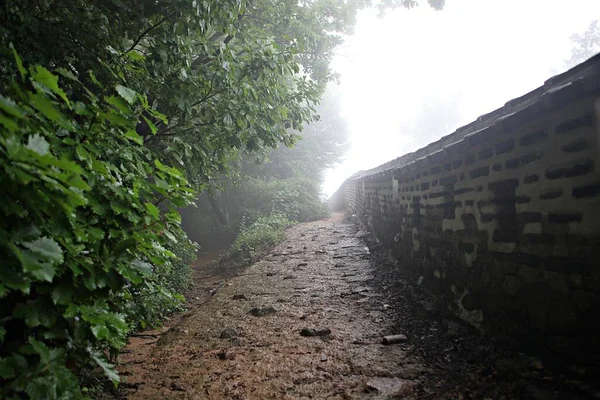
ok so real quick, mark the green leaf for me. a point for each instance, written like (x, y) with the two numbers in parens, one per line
(41, 349)
(108, 368)
(67, 74)
(22, 70)
(10, 365)
(48, 79)
(40, 269)
(151, 125)
(134, 137)
(8, 123)
(10, 107)
(153, 210)
(46, 107)
(126, 93)
(46, 247)
(38, 144)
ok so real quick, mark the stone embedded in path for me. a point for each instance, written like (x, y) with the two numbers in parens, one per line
(308, 332)
(392, 387)
(238, 297)
(228, 333)
(361, 234)
(393, 339)
(262, 311)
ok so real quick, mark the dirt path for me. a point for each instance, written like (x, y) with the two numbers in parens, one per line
(248, 339)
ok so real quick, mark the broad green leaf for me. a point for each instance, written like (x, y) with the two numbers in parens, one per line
(8, 123)
(133, 136)
(46, 107)
(41, 349)
(126, 93)
(11, 364)
(143, 267)
(108, 368)
(46, 247)
(67, 74)
(10, 107)
(153, 210)
(40, 269)
(151, 125)
(38, 144)
(48, 79)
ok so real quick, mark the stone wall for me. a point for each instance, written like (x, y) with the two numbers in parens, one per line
(502, 217)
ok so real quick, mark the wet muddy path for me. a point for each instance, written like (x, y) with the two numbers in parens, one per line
(307, 322)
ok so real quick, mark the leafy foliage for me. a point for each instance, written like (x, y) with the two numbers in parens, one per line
(298, 199)
(258, 237)
(81, 233)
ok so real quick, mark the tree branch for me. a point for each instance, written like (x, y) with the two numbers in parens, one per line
(135, 43)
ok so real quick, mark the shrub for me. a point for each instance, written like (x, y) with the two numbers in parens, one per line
(260, 236)
(82, 239)
(297, 199)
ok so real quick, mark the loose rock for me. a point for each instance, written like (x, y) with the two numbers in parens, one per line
(307, 332)
(361, 234)
(393, 339)
(238, 297)
(228, 334)
(261, 312)
(392, 387)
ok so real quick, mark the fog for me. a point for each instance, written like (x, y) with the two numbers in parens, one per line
(416, 75)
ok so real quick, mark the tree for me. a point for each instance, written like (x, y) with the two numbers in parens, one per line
(585, 45)
(321, 145)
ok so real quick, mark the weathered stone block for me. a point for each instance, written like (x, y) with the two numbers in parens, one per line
(565, 218)
(505, 147)
(587, 191)
(528, 217)
(505, 235)
(522, 199)
(479, 172)
(436, 170)
(524, 160)
(532, 138)
(485, 154)
(448, 180)
(512, 284)
(574, 124)
(504, 185)
(466, 247)
(540, 238)
(463, 191)
(576, 146)
(571, 169)
(469, 159)
(531, 178)
(551, 194)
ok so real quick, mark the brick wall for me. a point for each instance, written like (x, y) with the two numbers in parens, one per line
(502, 217)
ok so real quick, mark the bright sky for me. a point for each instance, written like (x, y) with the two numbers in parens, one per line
(464, 61)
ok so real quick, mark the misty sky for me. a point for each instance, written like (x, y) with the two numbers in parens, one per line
(419, 74)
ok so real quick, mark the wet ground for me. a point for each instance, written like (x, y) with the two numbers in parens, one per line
(307, 322)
